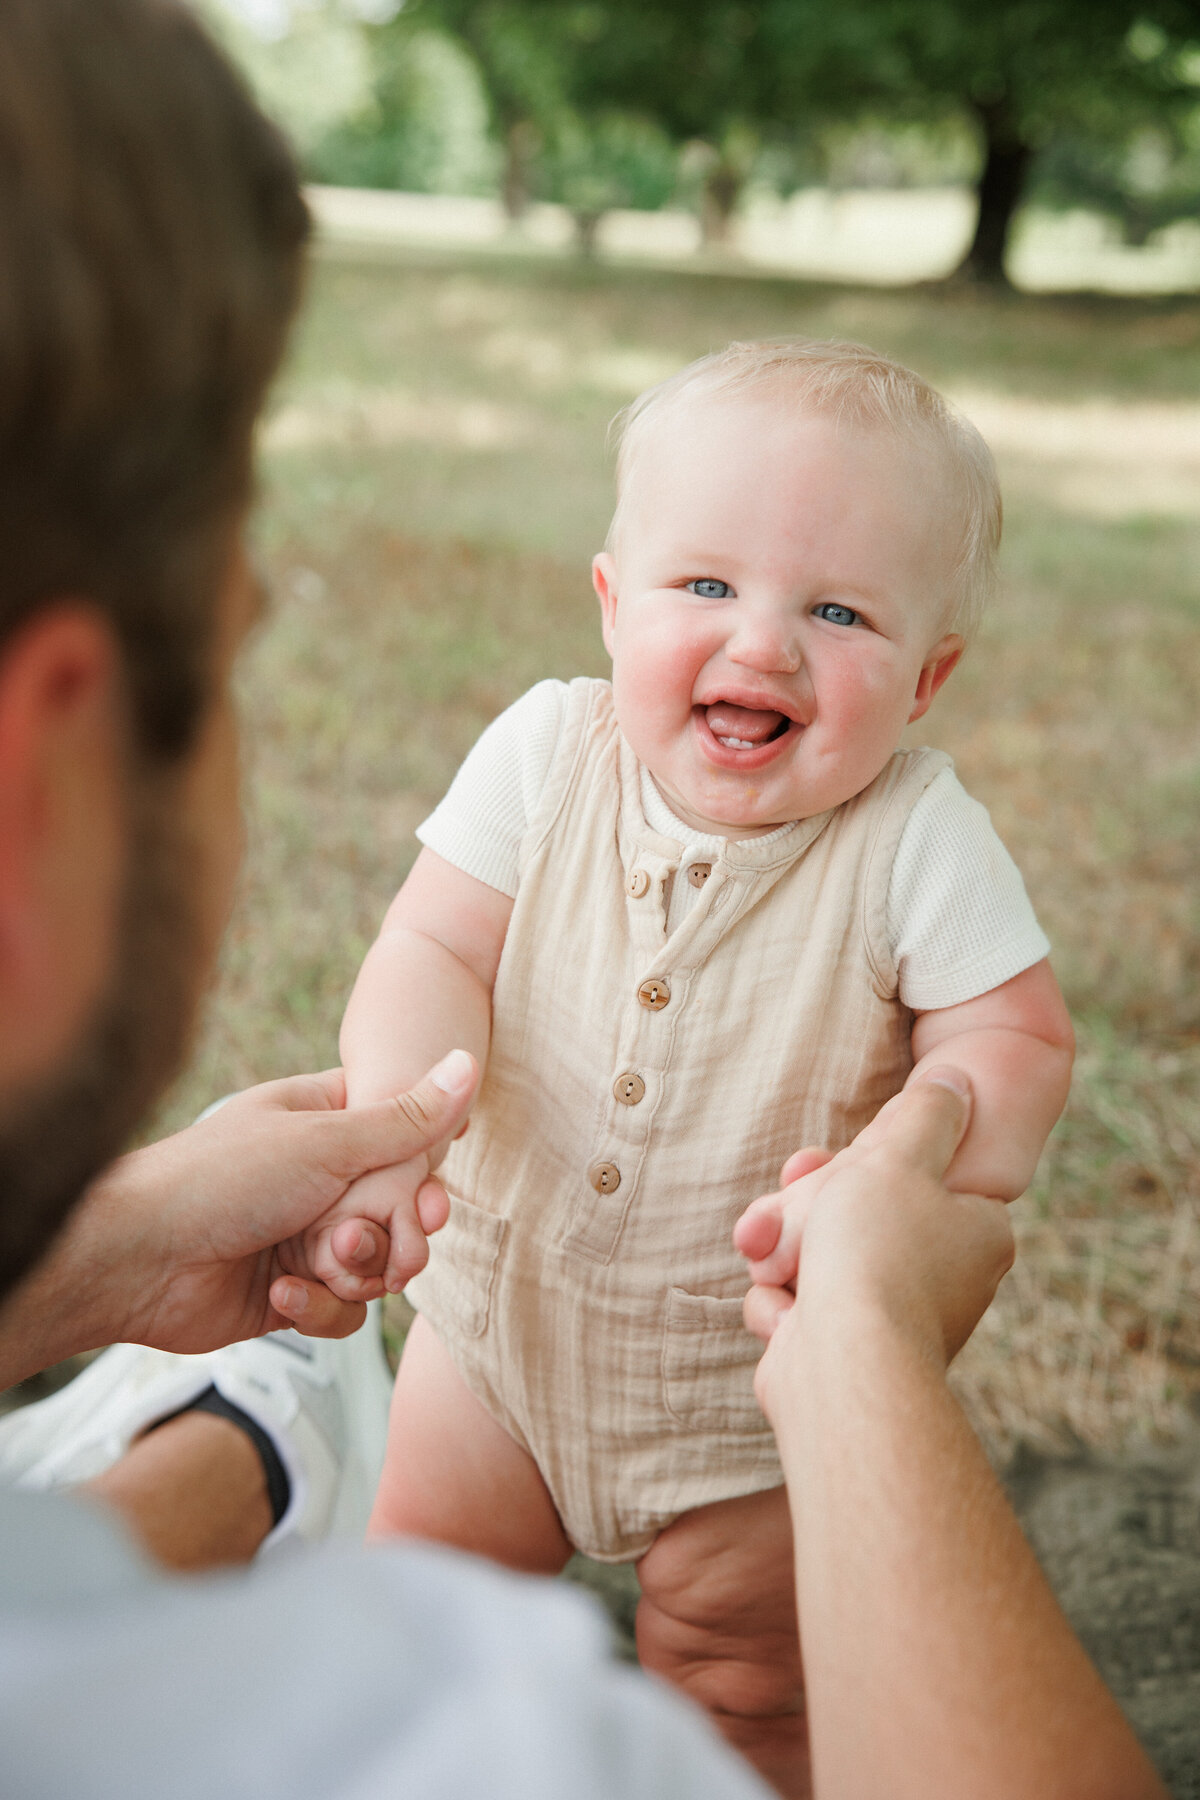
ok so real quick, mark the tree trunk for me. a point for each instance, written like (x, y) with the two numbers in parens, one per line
(723, 186)
(1005, 166)
(522, 141)
(587, 228)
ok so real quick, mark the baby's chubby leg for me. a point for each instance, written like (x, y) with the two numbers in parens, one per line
(718, 1619)
(453, 1474)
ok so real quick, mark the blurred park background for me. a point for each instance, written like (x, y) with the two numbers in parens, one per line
(568, 202)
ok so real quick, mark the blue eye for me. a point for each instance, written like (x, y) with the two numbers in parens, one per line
(837, 615)
(707, 589)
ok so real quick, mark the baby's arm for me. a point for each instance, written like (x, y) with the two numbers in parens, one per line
(1017, 1046)
(425, 987)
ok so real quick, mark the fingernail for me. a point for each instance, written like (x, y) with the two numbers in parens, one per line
(953, 1079)
(364, 1248)
(295, 1300)
(454, 1074)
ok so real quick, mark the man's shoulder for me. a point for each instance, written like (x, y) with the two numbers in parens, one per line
(346, 1672)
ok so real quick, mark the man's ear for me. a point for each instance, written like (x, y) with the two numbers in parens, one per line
(604, 580)
(63, 833)
(938, 666)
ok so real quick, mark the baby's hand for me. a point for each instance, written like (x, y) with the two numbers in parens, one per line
(375, 1239)
(769, 1231)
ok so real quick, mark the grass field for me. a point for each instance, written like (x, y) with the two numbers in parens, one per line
(435, 480)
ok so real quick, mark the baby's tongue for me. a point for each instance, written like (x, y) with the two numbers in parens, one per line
(751, 726)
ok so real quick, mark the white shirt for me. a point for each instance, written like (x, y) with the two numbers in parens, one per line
(958, 917)
(390, 1673)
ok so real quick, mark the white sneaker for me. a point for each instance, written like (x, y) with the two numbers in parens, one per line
(323, 1404)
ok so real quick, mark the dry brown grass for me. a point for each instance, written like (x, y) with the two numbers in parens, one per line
(436, 480)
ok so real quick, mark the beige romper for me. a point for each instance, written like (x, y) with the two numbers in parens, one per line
(640, 1091)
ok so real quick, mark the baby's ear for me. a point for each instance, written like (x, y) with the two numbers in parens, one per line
(938, 666)
(604, 580)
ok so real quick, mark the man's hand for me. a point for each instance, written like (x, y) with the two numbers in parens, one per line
(874, 1228)
(181, 1245)
(937, 1663)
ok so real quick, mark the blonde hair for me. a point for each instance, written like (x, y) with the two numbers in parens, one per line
(847, 382)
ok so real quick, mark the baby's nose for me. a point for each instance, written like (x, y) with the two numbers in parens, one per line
(768, 642)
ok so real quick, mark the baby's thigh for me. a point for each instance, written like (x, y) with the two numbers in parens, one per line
(718, 1618)
(718, 1589)
(454, 1475)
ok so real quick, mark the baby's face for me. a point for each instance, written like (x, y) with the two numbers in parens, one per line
(775, 609)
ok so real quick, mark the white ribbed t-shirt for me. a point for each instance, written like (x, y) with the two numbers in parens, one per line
(958, 917)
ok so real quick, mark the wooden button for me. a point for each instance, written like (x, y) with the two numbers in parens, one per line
(629, 1089)
(698, 873)
(638, 884)
(605, 1177)
(654, 993)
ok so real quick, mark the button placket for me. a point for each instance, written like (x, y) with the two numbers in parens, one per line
(613, 1170)
(646, 876)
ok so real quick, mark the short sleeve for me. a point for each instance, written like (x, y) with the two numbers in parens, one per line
(479, 825)
(959, 919)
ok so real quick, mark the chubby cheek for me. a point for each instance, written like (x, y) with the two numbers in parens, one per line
(655, 669)
(866, 703)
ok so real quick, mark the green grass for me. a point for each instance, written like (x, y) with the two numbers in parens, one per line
(435, 480)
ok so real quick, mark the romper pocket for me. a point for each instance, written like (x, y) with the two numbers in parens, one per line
(456, 1286)
(709, 1359)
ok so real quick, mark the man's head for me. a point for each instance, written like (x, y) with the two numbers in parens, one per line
(151, 237)
(805, 534)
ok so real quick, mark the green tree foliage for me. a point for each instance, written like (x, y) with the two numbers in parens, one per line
(1024, 72)
(421, 124)
(311, 74)
(1146, 181)
(524, 57)
(600, 103)
(612, 159)
(1033, 72)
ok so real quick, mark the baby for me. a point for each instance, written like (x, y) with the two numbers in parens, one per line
(687, 923)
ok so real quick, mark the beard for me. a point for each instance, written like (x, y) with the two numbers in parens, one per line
(59, 1134)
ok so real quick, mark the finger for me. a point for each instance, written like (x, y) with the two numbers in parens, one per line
(780, 1266)
(323, 1091)
(433, 1206)
(354, 1288)
(757, 1231)
(392, 1131)
(802, 1163)
(409, 1250)
(321, 1261)
(763, 1308)
(311, 1309)
(320, 1092)
(360, 1246)
(873, 1132)
(927, 1122)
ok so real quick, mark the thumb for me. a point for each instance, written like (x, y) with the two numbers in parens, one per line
(390, 1131)
(928, 1121)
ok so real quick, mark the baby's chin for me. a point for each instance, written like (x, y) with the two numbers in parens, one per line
(726, 821)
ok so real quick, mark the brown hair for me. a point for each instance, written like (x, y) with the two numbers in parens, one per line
(151, 237)
(851, 382)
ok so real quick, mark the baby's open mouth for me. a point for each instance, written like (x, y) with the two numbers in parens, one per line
(744, 727)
